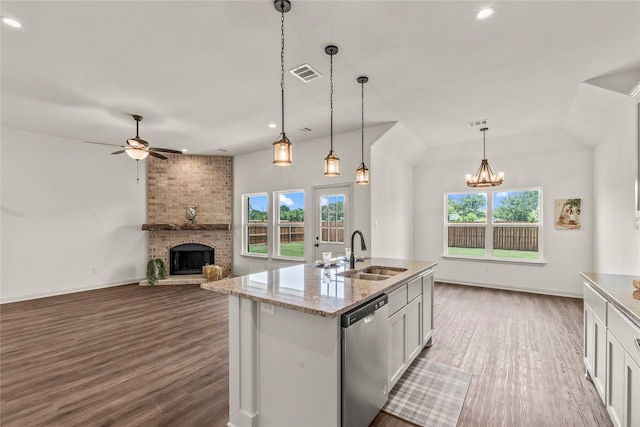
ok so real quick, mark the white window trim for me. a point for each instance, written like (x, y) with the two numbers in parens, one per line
(245, 226)
(273, 247)
(489, 225)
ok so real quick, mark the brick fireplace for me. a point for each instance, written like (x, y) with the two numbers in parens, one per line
(181, 181)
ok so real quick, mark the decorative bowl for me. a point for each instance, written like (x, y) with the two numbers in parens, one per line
(636, 283)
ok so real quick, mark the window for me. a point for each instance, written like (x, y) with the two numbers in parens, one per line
(512, 233)
(332, 219)
(255, 224)
(289, 225)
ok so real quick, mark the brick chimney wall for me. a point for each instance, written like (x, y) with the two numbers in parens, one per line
(185, 180)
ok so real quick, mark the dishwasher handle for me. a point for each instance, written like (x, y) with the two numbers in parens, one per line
(365, 311)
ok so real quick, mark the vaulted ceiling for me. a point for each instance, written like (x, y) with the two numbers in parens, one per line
(206, 74)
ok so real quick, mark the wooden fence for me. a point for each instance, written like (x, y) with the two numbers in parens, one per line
(516, 238)
(509, 238)
(466, 237)
(288, 234)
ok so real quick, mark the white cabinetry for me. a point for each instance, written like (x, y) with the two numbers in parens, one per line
(410, 312)
(414, 328)
(595, 338)
(623, 371)
(427, 308)
(397, 342)
(615, 381)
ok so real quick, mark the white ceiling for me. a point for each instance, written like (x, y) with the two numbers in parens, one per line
(206, 74)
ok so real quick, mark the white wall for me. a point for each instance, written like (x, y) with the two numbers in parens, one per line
(392, 193)
(254, 173)
(552, 160)
(51, 242)
(616, 244)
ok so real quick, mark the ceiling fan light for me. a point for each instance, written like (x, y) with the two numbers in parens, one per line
(137, 153)
(282, 155)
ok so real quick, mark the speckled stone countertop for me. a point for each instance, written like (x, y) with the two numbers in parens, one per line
(312, 289)
(619, 290)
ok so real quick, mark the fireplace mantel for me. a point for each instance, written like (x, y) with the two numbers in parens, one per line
(158, 227)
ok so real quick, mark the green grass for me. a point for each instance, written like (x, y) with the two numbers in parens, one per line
(466, 251)
(295, 249)
(497, 253)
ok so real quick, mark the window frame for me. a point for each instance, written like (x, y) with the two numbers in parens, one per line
(246, 224)
(275, 245)
(490, 226)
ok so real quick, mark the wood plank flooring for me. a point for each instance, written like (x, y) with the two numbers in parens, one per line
(525, 354)
(158, 356)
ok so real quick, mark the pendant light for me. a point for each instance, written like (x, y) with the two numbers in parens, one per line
(362, 173)
(282, 146)
(484, 177)
(331, 162)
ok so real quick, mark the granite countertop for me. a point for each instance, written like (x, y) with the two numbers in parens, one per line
(618, 289)
(312, 289)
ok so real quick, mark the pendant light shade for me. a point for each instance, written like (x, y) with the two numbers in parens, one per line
(331, 162)
(362, 173)
(282, 153)
(484, 177)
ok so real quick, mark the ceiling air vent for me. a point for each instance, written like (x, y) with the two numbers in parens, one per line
(305, 73)
(475, 123)
(305, 130)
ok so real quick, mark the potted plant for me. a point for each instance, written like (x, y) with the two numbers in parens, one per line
(155, 270)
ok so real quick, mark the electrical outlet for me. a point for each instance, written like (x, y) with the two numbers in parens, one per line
(94, 214)
(107, 214)
(95, 270)
(267, 308)
(486, 269)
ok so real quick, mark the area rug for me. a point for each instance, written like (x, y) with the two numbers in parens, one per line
(429, 394)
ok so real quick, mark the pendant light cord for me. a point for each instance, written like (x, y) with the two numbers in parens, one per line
(282, 63)
(331, 98)
(362, 119)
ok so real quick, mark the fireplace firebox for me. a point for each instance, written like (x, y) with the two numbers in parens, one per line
(189, 258)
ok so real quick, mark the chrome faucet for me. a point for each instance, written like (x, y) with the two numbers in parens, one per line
(363, 246)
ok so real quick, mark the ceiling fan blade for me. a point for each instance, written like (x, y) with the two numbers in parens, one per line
(165, 150)
(159, 156)
(119, 152)
(103, 143)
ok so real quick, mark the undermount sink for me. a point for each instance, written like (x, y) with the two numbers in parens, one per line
(362, 275)
(383, 271)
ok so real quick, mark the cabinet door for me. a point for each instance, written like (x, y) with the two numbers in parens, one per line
(615, 380)
(632, 390)
(414, 328)
(397, 346)
(599, 351)
(589, 342)
(427, 309)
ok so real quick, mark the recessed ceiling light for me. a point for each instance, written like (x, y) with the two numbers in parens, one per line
(11, 22)
(485, 13)
(272, 125)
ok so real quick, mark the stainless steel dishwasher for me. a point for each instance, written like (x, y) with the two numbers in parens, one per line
(364, 362)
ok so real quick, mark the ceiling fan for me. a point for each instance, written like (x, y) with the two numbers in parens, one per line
(137, 148)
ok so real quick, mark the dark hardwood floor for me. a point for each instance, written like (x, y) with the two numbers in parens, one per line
(158, 356)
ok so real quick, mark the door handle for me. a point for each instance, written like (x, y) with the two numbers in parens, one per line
(317, 245)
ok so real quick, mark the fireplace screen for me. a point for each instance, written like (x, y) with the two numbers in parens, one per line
(189, 258)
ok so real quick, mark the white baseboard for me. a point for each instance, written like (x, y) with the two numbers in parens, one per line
(513, 288)
(66, 291)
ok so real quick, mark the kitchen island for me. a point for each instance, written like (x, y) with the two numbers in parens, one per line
(285, 336)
